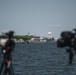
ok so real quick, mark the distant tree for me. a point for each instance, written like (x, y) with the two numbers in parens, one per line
(24, 37)
(3, 36)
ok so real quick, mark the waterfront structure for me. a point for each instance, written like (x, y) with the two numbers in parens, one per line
(37, 40)
(55, 39)
(2, 41)
(49, 35)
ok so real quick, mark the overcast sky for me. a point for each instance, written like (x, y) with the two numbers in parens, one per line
(37, 17)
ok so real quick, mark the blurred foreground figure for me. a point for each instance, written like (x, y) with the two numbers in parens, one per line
(6, 66)
(71, 55)
(68, 40)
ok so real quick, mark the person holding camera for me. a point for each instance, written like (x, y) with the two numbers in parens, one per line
(68, 40)
(7, 50)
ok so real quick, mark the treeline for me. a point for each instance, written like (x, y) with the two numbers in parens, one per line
(24, 37)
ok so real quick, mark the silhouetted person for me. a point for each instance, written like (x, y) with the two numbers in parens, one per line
(7, 50)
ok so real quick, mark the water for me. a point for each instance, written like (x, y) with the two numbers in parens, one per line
(41, 59)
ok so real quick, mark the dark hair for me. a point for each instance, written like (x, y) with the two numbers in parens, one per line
(9, 34)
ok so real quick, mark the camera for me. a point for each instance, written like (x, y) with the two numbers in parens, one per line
(67, 39)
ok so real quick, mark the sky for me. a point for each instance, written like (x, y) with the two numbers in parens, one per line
(37, 17)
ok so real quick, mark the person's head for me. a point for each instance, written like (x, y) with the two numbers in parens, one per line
(10, 34)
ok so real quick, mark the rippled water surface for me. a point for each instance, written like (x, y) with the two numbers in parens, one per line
(41, 59)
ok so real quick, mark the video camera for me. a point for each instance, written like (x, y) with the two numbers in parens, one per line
(67, 39)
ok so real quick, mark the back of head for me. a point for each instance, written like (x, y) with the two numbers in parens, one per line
(9, 34)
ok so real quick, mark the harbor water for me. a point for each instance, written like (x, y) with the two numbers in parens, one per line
(41, 59)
